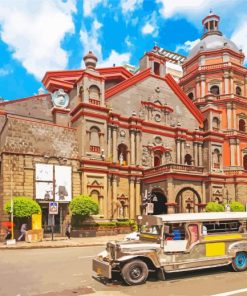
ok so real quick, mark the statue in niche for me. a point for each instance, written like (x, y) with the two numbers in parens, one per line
(145, 157)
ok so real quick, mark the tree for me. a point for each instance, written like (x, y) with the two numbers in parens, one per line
(83, 206)
(23, 207)
(237, 206)
(214, 207)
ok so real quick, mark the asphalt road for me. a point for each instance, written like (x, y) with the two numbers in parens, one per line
(67, 271)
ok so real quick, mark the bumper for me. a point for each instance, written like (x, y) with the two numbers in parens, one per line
(102, 268)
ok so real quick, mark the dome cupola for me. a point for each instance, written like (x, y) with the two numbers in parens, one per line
(90, 60)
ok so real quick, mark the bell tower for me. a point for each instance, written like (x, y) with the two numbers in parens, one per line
(211, 25)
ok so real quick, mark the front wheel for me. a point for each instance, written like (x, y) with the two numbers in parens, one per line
(239, 263)
(135, 272)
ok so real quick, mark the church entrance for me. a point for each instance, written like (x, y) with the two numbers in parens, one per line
(188, 200)
(159, 201)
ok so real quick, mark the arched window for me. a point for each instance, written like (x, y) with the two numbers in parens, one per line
(188, 159)
(191, 96)
(157, 158)
(94, 139)
(245, 162)
(216, 124)
(156, 68)
(241, 125)
(94, 95)
(215, 90)
(122, 154)
(216, 158)
(238, 91)
(95, 195)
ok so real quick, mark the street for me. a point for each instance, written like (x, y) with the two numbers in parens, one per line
(68, 271)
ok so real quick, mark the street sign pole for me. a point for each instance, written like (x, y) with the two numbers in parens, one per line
(52, 227)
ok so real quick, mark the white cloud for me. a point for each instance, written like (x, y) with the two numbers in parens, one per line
(129, 6)
(90, 41)
(187, 46)
(128, 42)
(34, 30)
(239, 36)
(150, 26)
(147, 29)
(115, 58)
(90, 5)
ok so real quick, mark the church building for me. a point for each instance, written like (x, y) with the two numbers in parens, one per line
(173, 129)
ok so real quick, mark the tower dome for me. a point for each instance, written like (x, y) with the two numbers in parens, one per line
(90, 60)
(212, 39)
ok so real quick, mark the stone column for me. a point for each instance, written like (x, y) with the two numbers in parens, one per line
(182, 143)
(231, 83)
(138, 197)
(132, 197)
(109, 141)
(178, 151)
(226, 82)
(234, 118)
(238, 152)
(229, 115)
(232, 152)
(203, 86)
(114, 144)
(109, 197)
(138, 148)
(114, 197)
(200, 154)
(196, 154)
(197, 94)
(132, 147)
(128, 157)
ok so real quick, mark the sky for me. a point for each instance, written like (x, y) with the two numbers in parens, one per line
(39, 36)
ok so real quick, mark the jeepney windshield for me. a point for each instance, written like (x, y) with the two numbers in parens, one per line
(150, 229)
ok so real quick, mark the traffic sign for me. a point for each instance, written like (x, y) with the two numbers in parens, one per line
(53, 207)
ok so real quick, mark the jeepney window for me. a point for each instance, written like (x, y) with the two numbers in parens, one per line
(194, 234)
(150, 229)
(222, 226)
(174, 231)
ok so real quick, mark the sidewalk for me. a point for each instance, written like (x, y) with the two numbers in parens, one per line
(63, 242)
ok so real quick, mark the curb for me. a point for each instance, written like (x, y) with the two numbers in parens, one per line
(51, 247)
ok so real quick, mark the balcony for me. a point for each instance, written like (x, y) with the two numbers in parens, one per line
(235, 170)
(175, 168)
(95, 149)
(94, 102)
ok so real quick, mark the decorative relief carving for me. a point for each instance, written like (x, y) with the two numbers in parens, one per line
(146, 158)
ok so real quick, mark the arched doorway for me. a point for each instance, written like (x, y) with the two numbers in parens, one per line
(187, 200)
(159, 200)
(245, 162)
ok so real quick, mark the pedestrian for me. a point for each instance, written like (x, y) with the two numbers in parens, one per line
(8, 234)
(68, 230)
(23, 231)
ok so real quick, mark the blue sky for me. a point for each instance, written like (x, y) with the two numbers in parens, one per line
(38, 36)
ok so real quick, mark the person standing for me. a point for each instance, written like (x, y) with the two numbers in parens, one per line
(68, 230)
(23, 231)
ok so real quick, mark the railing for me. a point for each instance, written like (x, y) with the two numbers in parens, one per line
(235, 170)
(173, 168)
(94, 102)
(95, 149)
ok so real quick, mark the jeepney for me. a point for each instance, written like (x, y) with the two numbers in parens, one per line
(177, 242)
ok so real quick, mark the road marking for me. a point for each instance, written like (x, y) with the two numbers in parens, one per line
(84, 257)
(231, 292)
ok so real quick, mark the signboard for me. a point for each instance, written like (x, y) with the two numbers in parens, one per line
(63, 175)
(53, 207)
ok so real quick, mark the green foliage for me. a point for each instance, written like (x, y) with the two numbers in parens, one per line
(237, 206)
(214, 207)
(83, 206)
(23, 207)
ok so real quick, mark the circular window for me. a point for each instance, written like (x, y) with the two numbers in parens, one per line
(157, 117)
(122, 133)
(158, 140)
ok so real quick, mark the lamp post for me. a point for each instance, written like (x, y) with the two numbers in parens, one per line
(12, 241)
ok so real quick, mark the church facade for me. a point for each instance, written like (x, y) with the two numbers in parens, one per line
(175, 130)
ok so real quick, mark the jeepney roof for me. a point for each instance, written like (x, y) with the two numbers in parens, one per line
(193, 217)
(216, 216)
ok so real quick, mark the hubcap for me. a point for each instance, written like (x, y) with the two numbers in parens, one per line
(135, 272)
(241, 260)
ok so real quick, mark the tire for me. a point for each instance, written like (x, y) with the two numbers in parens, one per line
(135, 272)
(239, 263)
